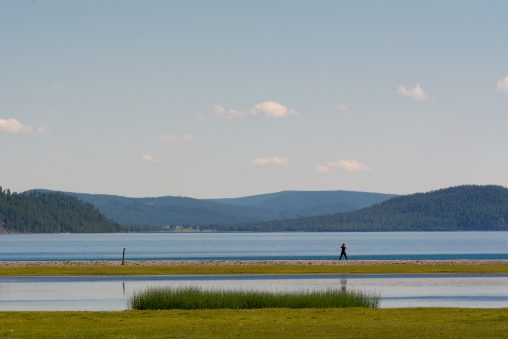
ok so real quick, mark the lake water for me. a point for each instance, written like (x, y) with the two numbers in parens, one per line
(289, 246)
(113, 292)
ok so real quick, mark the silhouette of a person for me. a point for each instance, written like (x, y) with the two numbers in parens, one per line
(343, 251)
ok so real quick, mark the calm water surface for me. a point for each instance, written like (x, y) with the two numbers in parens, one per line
(113, 292)
(291, 245)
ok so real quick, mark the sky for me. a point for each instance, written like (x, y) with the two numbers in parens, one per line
(214, 99)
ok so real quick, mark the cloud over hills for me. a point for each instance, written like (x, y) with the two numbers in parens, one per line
(342, 165)
(14, 126)
(270, 161)
(266, 109)
(177, 138)
(502, 85)
(152, 160)
(416, 92)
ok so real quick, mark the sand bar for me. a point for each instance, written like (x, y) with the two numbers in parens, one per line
(205, 263)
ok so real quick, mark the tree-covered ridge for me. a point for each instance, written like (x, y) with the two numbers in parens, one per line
(461, 208)
(40, 212)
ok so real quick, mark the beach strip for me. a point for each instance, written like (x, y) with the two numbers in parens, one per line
(174, 267)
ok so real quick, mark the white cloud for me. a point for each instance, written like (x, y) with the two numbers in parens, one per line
(177, 138)
(57, 87)
(328, 167)
(153, 160)
(344, 165)
(353, 166)
(341, 108)
(268, 109)
(416, 92)
(14, 126)
(272, 109)
(270, 161)
(221, 112)
(502, 85)
(325, 168)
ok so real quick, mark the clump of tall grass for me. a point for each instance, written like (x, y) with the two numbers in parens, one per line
(191, 298)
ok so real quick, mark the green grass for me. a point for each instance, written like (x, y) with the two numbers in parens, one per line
(260, 323)
(254, 269)
(193, 298)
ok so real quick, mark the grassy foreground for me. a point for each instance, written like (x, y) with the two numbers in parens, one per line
(194, 298)
(294, 323)
(253, 269)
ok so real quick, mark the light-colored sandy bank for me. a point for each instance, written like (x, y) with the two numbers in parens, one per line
(251, 263)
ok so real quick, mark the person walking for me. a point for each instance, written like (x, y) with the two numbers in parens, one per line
(343, 251)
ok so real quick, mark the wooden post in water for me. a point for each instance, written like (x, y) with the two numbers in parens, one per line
(123, 257)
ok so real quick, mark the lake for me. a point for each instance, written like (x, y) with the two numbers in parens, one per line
(107, 293)
(113, 293)
(256, 246)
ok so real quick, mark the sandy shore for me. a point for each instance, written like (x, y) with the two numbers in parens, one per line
(250, 263)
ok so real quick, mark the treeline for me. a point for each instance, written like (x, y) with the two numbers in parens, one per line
(38, 212)
(461, 208)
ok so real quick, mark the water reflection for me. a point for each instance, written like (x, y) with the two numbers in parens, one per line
(104, 293)
(343, 283)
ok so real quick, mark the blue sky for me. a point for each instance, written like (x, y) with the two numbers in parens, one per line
(231, 98)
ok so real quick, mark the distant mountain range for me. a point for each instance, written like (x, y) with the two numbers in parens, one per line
(461, 208)
(182, 211)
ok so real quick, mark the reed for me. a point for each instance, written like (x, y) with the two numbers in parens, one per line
(193, 298)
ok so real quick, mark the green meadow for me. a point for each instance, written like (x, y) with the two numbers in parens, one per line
(357, 322)
(260, 323)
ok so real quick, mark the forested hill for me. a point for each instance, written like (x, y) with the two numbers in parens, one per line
(461, 208)
(46, 212)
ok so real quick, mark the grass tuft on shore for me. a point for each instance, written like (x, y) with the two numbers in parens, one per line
(194, 298)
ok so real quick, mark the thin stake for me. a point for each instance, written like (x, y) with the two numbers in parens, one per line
(123, 257)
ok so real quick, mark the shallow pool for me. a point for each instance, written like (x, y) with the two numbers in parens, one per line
(113, 292)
